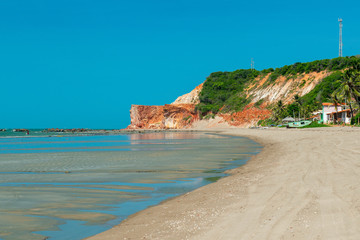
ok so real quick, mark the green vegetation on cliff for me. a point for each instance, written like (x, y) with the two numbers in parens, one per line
(225, 90)
(334, 64)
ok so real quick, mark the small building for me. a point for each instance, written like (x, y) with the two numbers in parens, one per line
(341, 116)
(341, 113)
(316, 116)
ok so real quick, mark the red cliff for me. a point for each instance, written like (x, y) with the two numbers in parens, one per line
(170, 116)
(180, 114)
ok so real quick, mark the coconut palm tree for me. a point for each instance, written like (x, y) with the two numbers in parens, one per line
(336, 101)
(278, 111)
(343, 93)
(352, 78)
(349, 87)
(356, 87)
(299, 102)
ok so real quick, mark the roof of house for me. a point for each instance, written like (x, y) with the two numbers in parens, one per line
(346, 110)
(327, 104)
(332, 104)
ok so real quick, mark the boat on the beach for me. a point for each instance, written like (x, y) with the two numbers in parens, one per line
(299, 124)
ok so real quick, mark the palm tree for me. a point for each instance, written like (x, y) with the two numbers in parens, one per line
(352, 78)
(299, 103)
(278, 110)
(343, 93)
(335, 100)
(350, 87)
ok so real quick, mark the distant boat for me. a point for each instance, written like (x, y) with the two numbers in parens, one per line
(299, 124)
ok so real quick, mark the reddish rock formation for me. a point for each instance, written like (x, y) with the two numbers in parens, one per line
(248, 117)
(179, 114)
(146, 117)
(170, 116)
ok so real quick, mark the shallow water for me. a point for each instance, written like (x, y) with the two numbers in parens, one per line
(76, 186)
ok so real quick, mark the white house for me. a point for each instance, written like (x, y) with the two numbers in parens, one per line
(341, 115)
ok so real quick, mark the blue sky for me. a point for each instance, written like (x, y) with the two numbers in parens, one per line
(82, 63)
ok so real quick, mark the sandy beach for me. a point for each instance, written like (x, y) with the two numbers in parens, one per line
(305, 184)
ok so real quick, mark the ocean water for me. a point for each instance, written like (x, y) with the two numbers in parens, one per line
(72, 187)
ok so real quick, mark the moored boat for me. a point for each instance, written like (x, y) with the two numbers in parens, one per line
(299, 124)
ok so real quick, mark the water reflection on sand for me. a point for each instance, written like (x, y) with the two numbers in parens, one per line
(47, 190)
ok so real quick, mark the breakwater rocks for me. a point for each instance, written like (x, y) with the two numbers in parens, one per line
(73, 130)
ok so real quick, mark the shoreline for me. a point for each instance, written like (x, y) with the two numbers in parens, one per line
(100, 133)
(295, 188)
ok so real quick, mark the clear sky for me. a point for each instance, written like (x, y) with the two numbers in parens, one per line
(82, 63)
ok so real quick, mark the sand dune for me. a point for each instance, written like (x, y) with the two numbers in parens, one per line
(305, 184)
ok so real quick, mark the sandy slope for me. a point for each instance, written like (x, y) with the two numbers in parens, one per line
(305, 184)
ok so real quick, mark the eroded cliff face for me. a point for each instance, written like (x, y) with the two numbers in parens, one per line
(247, 117)
(283, 88)
(191, 97)
(170, 116)
(181, 113)
(148, 117)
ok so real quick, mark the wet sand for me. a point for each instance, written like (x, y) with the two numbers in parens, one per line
(305, 184)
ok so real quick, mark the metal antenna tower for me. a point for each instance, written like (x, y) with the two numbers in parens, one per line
(252, 64)
(340, 38)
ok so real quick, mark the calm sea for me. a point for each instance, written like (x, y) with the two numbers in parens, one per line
(72, 187)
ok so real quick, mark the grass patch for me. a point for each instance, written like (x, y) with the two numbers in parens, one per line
(258, 103)
(187, 118)
(266, 122)
(209, 115)
(213, 171)
(315, 125)
(212, 179)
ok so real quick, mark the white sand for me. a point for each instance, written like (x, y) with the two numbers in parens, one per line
(305, 184)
